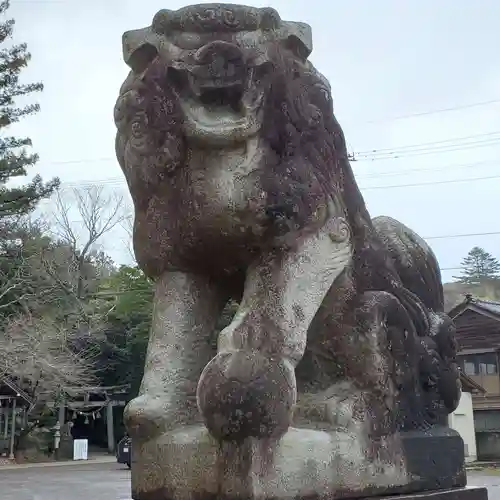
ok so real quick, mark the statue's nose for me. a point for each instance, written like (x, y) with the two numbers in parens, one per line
(220, 56)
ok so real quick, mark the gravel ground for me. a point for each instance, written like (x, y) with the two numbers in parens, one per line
(108, 481)
(490, 479)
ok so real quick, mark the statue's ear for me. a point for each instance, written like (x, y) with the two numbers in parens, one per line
(298, 38)
(139, 48)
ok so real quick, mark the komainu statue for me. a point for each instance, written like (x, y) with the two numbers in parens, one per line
(337, 373)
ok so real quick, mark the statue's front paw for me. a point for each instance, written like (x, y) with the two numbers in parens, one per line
(144, 417)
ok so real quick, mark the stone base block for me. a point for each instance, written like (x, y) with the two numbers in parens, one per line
(453, 494)
(189, 464)
(434, 458)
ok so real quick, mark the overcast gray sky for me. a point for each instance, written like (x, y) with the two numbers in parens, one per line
(385, 59)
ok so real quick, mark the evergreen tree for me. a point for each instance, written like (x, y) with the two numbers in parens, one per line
(479, 267)
(14, 155)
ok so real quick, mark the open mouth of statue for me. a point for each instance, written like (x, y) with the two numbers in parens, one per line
(228, 97)
(217, 107)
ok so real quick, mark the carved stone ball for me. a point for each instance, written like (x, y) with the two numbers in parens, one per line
(246, 394)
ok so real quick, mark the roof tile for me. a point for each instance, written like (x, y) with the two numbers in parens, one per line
(491, 306)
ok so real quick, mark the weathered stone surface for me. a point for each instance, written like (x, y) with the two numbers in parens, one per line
(339, 361)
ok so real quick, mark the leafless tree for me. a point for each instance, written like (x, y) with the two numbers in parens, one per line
(82, 217)
(44, 358)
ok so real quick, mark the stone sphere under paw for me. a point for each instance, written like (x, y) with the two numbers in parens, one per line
(245, 394)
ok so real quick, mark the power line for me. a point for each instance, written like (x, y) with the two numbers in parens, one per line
(355, 157)
(433, 183)
(412, 154)
(425, 144)
(435, 111)
(437, 168)
(401, 152)
(445, 148)
(464, 235)
(118, 181)
(405, 171)
(423, 147)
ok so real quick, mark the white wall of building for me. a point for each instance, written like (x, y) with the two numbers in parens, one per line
(462, 420)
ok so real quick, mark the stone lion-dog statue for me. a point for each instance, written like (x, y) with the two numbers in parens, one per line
(242, 189)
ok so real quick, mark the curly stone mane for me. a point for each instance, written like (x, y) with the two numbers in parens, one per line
(297, 112)
(149, 123)
(302, 131)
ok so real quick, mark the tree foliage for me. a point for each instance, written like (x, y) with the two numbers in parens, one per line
(15, 155)
(126, 301)
(479, 267)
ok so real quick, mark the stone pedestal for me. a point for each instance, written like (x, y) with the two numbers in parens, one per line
(434, 458)
(191, 465)
(453, 494)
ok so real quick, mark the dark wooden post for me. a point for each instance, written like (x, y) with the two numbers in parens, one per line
(6, 420)
(13, 429)
(110, 427)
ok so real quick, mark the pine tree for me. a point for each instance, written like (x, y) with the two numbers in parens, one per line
(14, 155)
(479, 267)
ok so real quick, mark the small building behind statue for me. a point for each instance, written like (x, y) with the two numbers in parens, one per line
(478, 335)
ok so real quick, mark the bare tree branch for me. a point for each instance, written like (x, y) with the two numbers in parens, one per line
(128, 226)
(43, 358)
(62, 226)
(97, 214)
